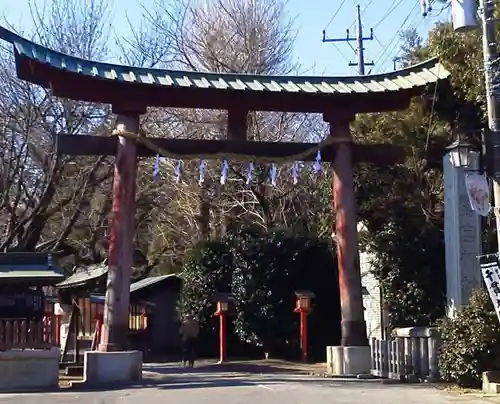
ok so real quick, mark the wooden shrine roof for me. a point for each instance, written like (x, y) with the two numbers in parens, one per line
(79, 79)
(30, 268)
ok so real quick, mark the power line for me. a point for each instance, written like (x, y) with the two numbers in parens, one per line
(359, 41)
(412, 25)
(366, 7)
(398, 32)
(335, 14)
(389, 12)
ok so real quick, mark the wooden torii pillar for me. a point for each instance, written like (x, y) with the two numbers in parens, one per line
(121, 245)
(353, 325)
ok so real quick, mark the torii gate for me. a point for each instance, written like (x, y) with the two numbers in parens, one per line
(130, 90)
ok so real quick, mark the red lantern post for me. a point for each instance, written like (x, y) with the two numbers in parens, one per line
(223, 301)
(303, 307)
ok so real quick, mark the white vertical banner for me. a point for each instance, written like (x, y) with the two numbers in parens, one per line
(478, 190)
(491, 276)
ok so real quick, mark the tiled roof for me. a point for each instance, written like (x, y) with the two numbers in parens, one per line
(83, 275)
(146, 282)
(139, 285)
(26, 266)
(31, 272)
(416, 76)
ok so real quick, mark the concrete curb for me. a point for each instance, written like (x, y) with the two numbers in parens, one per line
(31, 390)
(88, 386)
(361, 378)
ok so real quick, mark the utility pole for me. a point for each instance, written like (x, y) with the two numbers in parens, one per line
(395, 61)
(359, 43)
(492, 76)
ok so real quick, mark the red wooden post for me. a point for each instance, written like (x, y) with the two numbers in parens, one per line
(303, 334)
(58, 330)
(116, 308)
(352, 325)
(222, 311)
(303, 307)
(223, 338)
(99, 323)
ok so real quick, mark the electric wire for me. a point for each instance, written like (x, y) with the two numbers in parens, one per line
(335, 14)
(395, 36)
(341, 53)
(366, 7)
(396, 43)
(388, 13)
(413, 25)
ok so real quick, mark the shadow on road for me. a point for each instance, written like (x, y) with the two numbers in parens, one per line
(231, 367)
(170, 377)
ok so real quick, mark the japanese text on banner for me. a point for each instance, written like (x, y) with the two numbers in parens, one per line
(491, 277)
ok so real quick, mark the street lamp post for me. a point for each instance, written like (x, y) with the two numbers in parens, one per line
(303, 307)
(462, 226)
(223, 301)
(460, 153)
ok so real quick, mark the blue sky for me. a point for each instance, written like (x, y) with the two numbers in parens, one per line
(312, 16)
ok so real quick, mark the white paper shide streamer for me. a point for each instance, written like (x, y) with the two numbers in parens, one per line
(224, 172)
(202, 169)
(274, 174)
(317, 163)
(156, 169)
(178, 171)
(251, 167)
(295, 173)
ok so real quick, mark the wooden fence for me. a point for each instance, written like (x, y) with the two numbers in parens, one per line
(89, 313)
(28, 334)
(22, 333)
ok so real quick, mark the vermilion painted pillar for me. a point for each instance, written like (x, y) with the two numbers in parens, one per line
(303, 334)
(223, 337)
(116, 307)
(58, 330)
(351, 299)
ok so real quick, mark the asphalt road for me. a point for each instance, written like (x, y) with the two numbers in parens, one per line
(202, 387)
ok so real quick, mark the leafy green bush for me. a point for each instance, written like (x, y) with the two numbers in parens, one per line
(263, 270)
(470, 344)
(207, 272)
(268, 270)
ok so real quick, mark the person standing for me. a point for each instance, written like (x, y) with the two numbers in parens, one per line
(189, 331)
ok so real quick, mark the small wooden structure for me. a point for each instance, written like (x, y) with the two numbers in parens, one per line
(27, 319)
(153, 318)
(82, 311)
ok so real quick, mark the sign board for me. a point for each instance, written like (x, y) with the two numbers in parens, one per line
(28, 304)
(491, 275)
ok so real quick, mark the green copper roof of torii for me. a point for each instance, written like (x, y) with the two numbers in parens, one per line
(415, 76)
